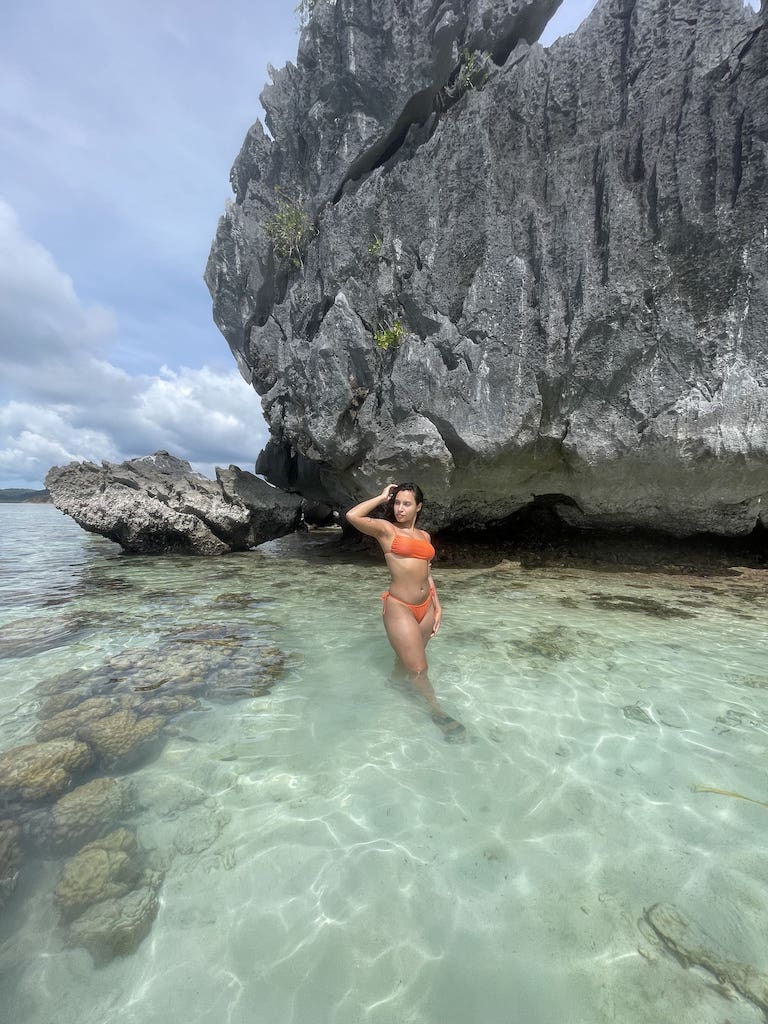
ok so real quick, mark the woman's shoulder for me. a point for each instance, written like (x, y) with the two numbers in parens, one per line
(425, 536)
(387, 530)
(381, 529)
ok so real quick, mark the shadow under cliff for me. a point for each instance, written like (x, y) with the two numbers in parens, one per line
(536, 537)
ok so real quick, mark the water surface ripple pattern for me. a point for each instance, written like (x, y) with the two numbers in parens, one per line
(327, 857)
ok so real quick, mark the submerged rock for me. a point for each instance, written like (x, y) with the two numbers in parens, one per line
(10, 859)
(148, 685)
(158, 504)
(637, 713)
(643, 605)
(82, 814)
(62, 692)
(122, 738)
(167, 706)
(32, 635)
(521, 273)
(252, 675)
(36, 771)
(116, 926)
(552, 644)
(690, 945)
(105, 869)
(65, 723)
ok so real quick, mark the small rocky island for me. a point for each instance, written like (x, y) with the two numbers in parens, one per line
(516, 275)
(23, 495)
(159, 505)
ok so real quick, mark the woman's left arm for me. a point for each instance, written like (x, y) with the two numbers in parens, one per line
(436, 603)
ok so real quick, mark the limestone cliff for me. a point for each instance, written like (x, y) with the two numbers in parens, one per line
(510, 272)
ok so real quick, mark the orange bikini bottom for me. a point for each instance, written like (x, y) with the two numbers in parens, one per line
(419, 610)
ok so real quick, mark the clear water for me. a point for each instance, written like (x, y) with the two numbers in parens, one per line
(328, 857)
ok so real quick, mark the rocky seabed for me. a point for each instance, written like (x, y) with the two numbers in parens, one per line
(70, 796)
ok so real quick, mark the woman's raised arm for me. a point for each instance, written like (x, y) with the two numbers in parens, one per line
(360, 515)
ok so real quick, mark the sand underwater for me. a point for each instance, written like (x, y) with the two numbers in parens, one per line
(310, 849)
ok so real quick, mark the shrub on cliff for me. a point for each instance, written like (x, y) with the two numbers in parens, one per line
(290, 229)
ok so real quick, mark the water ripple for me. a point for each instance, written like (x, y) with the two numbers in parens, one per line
(328, 857)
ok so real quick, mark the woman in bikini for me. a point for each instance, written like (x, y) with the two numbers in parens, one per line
(412, 610)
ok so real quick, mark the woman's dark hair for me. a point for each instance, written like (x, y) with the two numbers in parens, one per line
(390, 506)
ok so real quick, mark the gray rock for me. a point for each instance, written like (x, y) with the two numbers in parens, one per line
(38, 771)
(10, 859)
(82, 814)
(105, 869)
(271, 513)
(116, 926)
(158, 504)
(691, 946)
(573, 240)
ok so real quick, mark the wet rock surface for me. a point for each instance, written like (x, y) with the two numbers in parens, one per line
(10, 859)
(35, 771)
(84, 813)
(691, 946)
(117, 925)
(216, 661)
(68, 721)
(121, 738)
(158, 504)
(113, 715)
(572, 242)
(104, 869)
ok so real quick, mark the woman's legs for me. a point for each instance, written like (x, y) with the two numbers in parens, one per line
(405, 636)
(409, 639)
(425, 626)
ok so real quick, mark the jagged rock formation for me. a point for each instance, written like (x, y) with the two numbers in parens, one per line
(158, 504)
(574, 241)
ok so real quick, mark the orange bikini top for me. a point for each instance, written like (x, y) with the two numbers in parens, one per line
(412, 547)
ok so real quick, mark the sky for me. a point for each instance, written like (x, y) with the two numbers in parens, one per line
(119, 123)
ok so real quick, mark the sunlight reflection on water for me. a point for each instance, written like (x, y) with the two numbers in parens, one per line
(323, 854)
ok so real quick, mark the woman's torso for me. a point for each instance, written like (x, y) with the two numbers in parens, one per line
(409, 572)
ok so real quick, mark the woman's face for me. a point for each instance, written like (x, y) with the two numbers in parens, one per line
(405, 507)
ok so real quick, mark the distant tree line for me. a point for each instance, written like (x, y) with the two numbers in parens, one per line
(11, 494)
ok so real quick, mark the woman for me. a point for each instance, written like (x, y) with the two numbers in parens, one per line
(412, 610)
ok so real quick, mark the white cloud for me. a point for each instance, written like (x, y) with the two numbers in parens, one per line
(40, 314)
(201, 410)
(33, 437)
(207, 417)
(144, 106)
(64, 401)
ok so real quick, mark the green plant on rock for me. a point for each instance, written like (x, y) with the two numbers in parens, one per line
(290, 228)
(468, 68)
(389, 334)
(474, 72)
(375, 247)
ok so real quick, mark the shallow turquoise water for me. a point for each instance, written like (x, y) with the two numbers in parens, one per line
(328, 857)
